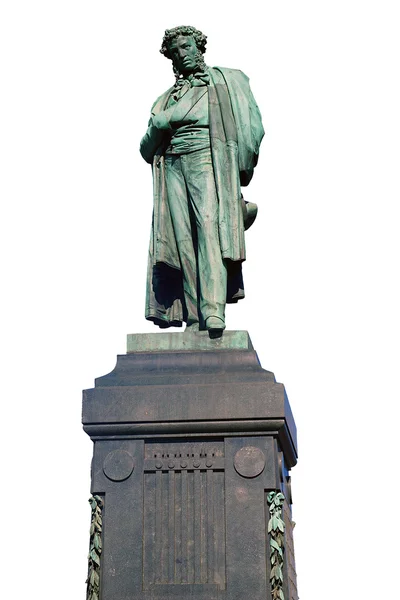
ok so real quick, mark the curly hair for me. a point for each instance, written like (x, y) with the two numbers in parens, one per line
(170, 34)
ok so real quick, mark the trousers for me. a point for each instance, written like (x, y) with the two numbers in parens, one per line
(193, 205)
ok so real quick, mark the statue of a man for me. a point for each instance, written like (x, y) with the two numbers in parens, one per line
(203, 141)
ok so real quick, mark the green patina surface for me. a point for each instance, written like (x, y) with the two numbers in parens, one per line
(203, 141)
(276, 530)
(199, 340)
(96, 527)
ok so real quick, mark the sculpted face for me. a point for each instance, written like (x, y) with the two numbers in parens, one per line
(183, 51)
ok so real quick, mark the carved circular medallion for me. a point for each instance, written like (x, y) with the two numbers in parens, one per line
(249, 461)
(118, 465)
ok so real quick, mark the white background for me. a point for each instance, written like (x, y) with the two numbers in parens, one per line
(78, 79)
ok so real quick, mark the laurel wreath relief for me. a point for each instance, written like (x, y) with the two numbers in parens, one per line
(276, 530)
(93, 579)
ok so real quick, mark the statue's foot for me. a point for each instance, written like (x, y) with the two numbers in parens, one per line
(215, 326)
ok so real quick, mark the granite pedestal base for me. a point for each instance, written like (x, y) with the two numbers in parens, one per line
(190, 435)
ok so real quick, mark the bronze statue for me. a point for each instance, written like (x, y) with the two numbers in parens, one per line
(203, 142)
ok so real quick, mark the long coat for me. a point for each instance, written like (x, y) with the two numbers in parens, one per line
(236, 132)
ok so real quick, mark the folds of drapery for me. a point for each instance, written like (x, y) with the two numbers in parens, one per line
(235, 135)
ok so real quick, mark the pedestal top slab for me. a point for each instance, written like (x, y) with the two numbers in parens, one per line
(187, 385)
(199, 340)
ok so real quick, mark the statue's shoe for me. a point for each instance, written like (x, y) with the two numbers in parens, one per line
(215, 324)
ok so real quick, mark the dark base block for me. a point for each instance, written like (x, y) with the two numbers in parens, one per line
(188, 443)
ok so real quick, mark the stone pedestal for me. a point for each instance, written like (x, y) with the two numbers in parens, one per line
(191, 436)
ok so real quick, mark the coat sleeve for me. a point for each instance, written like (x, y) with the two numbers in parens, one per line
(151, 141)
(156, 130)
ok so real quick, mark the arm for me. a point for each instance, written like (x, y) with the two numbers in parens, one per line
(154, 137)
(161, 126)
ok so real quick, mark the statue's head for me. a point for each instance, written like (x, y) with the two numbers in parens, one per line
(185, 46)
